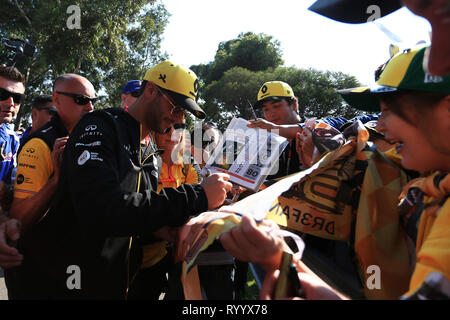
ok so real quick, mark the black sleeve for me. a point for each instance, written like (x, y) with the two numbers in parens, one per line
(95, 174)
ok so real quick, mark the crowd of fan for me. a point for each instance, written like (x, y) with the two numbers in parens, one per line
(107, 190)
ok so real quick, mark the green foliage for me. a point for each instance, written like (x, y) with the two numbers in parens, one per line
(229, 97)
(242, 65)
(254, 52)
(316, 91)
(117, 42)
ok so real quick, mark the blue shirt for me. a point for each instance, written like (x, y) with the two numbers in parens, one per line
(9, 145)
(366, 118)
(335, 122)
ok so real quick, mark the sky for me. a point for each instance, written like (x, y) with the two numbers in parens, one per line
(308, 40)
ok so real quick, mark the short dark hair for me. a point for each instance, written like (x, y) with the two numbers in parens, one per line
(41, 101)
(12, 74)
(289, 100)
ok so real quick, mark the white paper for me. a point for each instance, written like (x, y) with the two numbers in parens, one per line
(248, 155)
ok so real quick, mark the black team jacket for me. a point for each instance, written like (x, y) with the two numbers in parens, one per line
(106, 207)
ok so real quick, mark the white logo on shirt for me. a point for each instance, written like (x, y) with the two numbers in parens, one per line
(91, 127)
(85, 156)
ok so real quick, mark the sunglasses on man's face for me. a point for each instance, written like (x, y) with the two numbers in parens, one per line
(18, 98)
(177, 111)
(176, 126)
(50, 111)
(181, 125)
(79, 99)
(134, 94)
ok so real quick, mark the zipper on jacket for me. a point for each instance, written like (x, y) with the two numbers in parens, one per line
(141, 164)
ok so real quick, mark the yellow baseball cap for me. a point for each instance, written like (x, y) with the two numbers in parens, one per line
(273, 90)
(403, 71)
(179, 82)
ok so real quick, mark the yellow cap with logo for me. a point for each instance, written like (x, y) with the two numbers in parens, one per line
(403, 71)
(179, 82)
(273, 90)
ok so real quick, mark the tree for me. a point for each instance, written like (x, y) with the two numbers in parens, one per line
(229, 96)
(254, 52)
(242, 65)
(316, 91)
(116, 42)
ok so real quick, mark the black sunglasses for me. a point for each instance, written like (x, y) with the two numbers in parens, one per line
(18, 98)
(177, 126)
(79, 99)
(50, 111)
(134, 94)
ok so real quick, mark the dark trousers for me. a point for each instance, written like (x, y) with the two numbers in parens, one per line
(149, 283)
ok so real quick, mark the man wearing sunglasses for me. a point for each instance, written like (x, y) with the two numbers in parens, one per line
(40, 155)
(12, 88)
(107, 206)
(130, 92)
(42, 110)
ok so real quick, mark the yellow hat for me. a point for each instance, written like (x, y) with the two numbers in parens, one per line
(181, 84)
(273, 90)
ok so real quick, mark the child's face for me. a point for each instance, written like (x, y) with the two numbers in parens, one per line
(417, 153)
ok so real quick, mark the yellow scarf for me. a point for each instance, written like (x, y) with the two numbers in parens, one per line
(354, 199)
(425, 207)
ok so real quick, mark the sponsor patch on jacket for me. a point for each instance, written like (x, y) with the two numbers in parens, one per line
(95, 157)
(91, 127)
(92, 144)
(22, 179)
(26, 165)
(90, 134)
(85, 156)
(30, 155)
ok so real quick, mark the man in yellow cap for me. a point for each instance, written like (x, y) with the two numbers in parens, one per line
(280, 108)
(89, 245)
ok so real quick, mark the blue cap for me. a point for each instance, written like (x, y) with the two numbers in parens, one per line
(132, 86)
